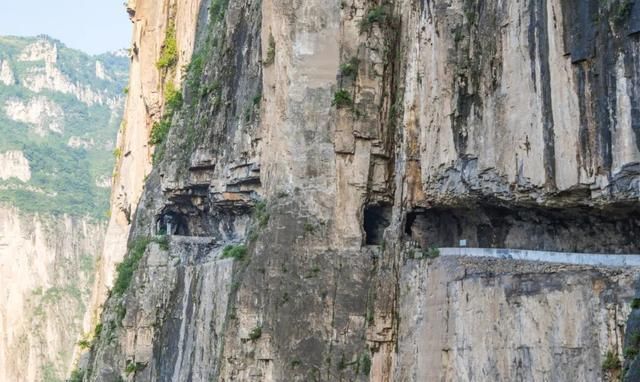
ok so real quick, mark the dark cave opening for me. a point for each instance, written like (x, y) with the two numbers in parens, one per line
(172, 223)
(376, 219)
(615, 229)
(199, 217)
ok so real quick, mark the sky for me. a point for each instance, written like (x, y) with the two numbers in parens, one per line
(93, 26)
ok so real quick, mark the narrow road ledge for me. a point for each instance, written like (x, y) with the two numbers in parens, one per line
(594, 259)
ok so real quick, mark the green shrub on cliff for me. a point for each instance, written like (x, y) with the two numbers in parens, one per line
(126, 269)
(632, 348)
(261, 215)
(237, 252)
(611, 362)
(84, 344)
(431, 253)
(342, 99)
(378, 14)
(172, 98)
(365, 363)
(217, 10)
(76, 376)
(255, 333)
(622, 10)
(195, 71)
(271, 52)
(169, 53)
(350, 69)
(133, 367)
(159, 131)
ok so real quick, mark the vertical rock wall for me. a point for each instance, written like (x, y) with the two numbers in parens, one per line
(316, 142)
(524, 100)
(144, 107)
(46, 265)
(508, 321)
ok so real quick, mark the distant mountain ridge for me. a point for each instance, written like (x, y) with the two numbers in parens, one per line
(60, 110)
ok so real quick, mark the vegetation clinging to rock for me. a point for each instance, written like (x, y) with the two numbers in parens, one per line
(342, 99)
(217, 10)
(611, 362)
(160, 130)
(169, 53)
(378, 14)
(126, 269)
(237, 252)
(271, 51)
(255, 333)
(128, 266)
(349, 69)
(261, 214)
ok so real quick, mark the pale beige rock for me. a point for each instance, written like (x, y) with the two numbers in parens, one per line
(475, 322)
(436, 120)
(42, 113)
(44, 264)
(103, 182)
(6, 74)
(49, 77)
(100, 72)
(143, 108)
(14, 165)
(41, 50)
(79, 142)
(505, 132)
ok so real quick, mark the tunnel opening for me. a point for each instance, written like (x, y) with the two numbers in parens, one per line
(200, 217)
(376, 219)
(172, 223)
(615, 229)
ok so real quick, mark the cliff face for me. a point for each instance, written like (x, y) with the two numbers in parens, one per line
(47, 266)
(508, 321)
(546, 105)
(327, 148)
(152, 22)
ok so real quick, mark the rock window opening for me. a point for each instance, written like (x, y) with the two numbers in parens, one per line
(376, 219)
(172, 223)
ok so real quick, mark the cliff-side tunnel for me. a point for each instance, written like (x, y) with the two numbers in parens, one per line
(578, 229)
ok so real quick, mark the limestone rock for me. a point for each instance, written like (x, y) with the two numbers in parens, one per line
(46, 267)
(45, 115)
(14, 165)
(6, 74)
(504, 321)
(143, 109)
(328, 146)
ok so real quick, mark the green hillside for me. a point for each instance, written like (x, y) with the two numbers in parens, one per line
(61, 109)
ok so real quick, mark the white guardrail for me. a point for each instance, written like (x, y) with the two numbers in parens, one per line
(594, 259)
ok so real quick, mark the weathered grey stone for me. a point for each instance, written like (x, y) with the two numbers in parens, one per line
(515, 118)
